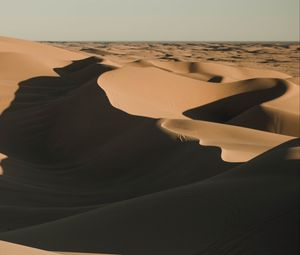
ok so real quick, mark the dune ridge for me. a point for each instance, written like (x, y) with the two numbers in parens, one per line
(99, 155)
(148, 91)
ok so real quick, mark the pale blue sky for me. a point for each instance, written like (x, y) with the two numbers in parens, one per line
(151, 20)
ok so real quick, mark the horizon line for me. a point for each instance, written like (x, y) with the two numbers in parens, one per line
(171, 41)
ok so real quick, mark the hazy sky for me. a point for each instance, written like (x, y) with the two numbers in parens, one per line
(169, 20)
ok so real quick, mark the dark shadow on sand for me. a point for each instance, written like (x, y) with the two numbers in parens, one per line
(227, 108)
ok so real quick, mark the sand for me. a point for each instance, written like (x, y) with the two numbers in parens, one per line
(144, 148)
(281, 56)
(15, 249)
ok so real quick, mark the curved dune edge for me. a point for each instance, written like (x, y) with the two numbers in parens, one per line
(156, 93)
(266, 104)
(238, 144)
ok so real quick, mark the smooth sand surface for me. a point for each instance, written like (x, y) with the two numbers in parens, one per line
(148, 148)
(7, 248)
(15, 249)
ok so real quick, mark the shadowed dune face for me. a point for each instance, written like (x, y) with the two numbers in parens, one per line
(242, 210)
(32, 127)
(97, 154)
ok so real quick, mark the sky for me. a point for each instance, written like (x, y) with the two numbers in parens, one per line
(150, 20)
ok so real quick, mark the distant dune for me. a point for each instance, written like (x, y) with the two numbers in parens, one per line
(100, 153)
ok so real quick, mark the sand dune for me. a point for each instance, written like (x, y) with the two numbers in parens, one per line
(136, 96)
(100, 153)
(152, 92)
(237, 143)
(281, 56)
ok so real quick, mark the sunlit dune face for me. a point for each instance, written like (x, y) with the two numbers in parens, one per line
(2, 157)
(7, 248)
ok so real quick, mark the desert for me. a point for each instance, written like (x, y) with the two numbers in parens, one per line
(138, 148)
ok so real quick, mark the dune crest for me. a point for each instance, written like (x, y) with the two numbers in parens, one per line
(238, 144)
